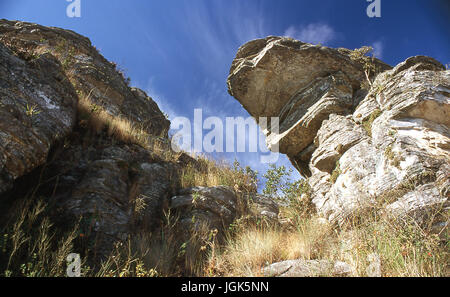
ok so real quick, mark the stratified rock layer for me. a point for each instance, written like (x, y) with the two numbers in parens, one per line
(300, 83)
(43, 74)
(37, 108)
(387, 148)
(113, 189)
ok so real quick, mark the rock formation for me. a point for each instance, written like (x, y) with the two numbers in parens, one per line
(55, 88)
(75, 134)
(385, 148)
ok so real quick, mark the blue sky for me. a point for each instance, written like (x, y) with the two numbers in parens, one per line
(180, 51)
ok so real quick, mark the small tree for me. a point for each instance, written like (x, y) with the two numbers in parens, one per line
(360, 55)
(294, 194)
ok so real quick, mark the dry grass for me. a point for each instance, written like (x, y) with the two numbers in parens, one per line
(208, 172)
(98, 119)
(167, 252)
(404, 249)
(253, 247)
(30, 245)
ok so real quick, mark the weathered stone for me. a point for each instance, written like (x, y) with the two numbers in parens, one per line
(263, 207)
(334, 138)
(43, 73)
(115, 191)
(398, 166)
(266, 73)
(88, 71)
(214, 207)
(308, 268)
(300, 83)
(37, 109)
(386, 148)
(302, 116)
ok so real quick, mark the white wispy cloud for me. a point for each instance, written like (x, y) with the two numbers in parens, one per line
(163, 102)
(216, 36)
(312, 33)
(378, 48)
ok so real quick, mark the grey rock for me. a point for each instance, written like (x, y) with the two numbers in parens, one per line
(37, 109)
(307, 268)
(263, 207)
(386, 148)
(214, 207)
(404, 165)
(44, 71)
(300, 83)
(116, 191)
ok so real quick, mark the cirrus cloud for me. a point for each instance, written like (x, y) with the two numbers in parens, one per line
(312, 33)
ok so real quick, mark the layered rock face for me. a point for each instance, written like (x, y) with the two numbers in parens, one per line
(43, 74)
(112, 188)
(385, 148)
(299, 83)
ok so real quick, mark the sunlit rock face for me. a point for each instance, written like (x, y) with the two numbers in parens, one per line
(44, 72)
(37, 109)
(387, 148)
(92, 179)
(300, 83)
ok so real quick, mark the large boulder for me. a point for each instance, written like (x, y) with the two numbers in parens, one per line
(300, 83)
(401, 162)
(263, 207)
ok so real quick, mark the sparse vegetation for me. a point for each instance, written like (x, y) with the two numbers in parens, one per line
(394, 158)
(32, 110)
(35, 241)
(405, 249)
(367, 124)
(361, 55)
(208, 173)
(30, 245)
(336, 172)
(99, 120)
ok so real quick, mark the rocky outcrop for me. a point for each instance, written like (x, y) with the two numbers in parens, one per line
(400, 161)
(113, 192)
(386, 148)
(37, 109)
(44, 72)
(88, 71)
(309, 83)
(112, 188)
